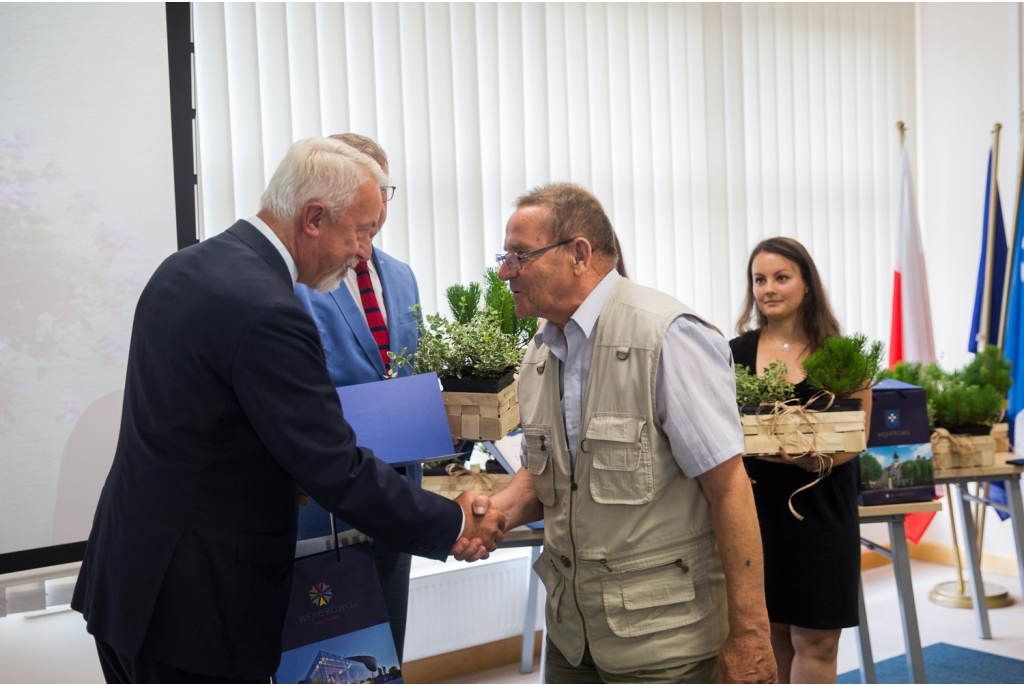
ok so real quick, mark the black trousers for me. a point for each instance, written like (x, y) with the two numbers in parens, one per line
(117, 668)
(393, 570)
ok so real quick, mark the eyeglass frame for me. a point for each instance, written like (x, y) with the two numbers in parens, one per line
(387, 193)
(519, 257)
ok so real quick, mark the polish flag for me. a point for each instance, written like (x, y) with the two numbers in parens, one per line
(910, 337)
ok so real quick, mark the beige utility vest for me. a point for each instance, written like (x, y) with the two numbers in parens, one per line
(630, 564)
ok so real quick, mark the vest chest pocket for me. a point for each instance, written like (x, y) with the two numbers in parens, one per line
(621, 470)
(540, 462)
(667, 591)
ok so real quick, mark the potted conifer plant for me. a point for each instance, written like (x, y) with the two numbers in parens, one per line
(476, 354)
(831, 422)
(964, 407)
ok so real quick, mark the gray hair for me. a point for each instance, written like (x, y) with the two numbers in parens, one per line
(318, 169)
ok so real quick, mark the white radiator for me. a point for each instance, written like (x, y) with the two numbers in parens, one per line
(456, 605)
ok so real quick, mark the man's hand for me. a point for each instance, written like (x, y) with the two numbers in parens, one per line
(485, 527)
(303, 496)
(747, 660)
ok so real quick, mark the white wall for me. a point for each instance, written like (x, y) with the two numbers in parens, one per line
(968, 79)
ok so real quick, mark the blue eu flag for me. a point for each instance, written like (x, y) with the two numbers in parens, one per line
(998, 273)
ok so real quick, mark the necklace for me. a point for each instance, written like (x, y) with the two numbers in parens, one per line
(786, 347)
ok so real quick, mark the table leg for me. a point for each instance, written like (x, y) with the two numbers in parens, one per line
(544, 650)
(1017, 518)
(867, 660)
(908, 608)
(530, 620)
(974, 566)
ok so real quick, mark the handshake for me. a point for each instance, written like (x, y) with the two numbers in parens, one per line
(485, 527)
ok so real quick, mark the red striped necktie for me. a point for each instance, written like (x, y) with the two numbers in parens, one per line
(378, 329)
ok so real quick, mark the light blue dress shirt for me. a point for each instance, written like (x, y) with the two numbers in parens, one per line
(695, 395)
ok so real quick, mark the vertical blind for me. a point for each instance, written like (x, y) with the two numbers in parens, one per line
(702, 128)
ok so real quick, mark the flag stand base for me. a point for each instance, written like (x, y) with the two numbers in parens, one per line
(947, 595)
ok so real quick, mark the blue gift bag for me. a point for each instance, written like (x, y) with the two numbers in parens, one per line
(337, 629)
(897, 465)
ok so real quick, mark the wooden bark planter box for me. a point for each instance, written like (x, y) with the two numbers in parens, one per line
(962, 450)
(840, 429)
(482, 415)
(1001, 434)
(460, 479)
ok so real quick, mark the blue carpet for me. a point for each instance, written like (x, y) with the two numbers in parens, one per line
(948, 664)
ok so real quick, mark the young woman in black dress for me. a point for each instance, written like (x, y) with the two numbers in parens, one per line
(812, 567)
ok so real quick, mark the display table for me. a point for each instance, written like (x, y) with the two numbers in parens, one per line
(894, 515)
(958, 478)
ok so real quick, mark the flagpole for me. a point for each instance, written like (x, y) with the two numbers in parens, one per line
(990, 239)
(902, 128)
(1013, 243)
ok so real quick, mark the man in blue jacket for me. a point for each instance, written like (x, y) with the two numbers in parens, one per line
(359, 322)
(228, 409)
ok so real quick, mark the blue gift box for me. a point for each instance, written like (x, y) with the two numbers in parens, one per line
(897, 465)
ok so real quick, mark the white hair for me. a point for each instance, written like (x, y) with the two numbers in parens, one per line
(318, 169)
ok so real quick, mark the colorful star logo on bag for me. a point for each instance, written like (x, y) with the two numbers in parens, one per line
(320, 594)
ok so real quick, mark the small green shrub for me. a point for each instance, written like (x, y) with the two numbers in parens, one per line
(953, 403)
(478, 343)
(905, 372)
(988, 368)
(752, 389)
(844, 365)
(463, 301)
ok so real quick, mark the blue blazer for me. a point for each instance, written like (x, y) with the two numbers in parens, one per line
(227, 405)
(351, 352)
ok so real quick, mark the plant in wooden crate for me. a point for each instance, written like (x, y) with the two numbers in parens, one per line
(476, 354)
(832, 422)
(964, 407)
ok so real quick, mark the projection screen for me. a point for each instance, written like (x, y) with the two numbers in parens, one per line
(86, 215)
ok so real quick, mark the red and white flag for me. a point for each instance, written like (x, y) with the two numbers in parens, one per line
(910, 338)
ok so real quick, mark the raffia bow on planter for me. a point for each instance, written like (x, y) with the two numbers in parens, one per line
(460, 479)
(961, 451)
(806, 432)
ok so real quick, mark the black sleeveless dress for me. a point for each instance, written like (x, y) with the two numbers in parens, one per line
(811, 567)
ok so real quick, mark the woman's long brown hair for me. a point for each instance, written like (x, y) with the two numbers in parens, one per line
(816, 318)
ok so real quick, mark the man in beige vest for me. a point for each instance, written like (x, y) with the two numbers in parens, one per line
(632, 442)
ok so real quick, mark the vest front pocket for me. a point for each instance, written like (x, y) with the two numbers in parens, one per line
(552, 579)
(540, 462)
(662, 592)
(620, 459)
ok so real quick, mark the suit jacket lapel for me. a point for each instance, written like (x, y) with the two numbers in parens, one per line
(353, 315)
(251, 236)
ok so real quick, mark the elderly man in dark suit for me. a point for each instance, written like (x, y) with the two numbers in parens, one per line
(228, 409)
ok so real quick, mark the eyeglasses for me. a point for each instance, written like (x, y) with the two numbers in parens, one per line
(514, 261)
(387, 193)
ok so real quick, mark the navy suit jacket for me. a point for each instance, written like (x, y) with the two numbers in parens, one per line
(227, 406)
(352, 354)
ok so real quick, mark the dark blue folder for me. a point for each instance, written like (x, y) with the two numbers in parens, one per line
(402, 419)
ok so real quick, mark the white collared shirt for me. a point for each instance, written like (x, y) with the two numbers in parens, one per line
(695, 394)
(351, 281)
(269, 234)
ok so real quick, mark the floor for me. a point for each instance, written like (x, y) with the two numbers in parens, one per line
(938, 624)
